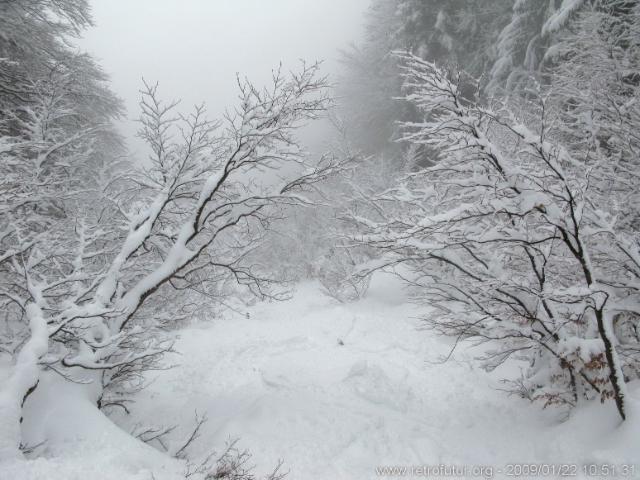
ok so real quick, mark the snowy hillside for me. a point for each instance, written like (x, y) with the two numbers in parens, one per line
(419, 261)
(336, 391)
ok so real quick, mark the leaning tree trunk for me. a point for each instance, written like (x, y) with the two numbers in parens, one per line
(22, 381)
(615, 371)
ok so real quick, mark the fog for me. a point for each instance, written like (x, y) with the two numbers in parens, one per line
(446, 286)
(194, 48)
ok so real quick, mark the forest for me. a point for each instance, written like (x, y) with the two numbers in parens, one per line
(446, 284)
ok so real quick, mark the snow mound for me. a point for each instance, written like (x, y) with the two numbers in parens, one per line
(336, 390)
(77, 442)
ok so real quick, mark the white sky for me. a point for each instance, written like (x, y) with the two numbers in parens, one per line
(194, 48)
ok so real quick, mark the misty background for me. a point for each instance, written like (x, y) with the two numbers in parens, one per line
(194, 49)
(443, 270)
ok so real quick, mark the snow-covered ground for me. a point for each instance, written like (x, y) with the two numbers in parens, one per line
(336, 391)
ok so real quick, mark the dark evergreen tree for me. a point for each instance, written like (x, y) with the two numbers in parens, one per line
(460, 33)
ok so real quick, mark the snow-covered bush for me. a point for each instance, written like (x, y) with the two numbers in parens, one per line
(228, 463)
(519, 234)
(232, 464)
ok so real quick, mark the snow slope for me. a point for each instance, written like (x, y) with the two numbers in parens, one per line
(335, 390)
(77, 442)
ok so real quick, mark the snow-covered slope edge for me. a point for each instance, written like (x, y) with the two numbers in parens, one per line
(75, 441)
(335, 390)
(338, 390)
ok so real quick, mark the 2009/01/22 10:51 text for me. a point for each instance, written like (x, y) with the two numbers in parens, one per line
(569, 470)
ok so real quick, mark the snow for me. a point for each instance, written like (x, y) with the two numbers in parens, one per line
(21, 377)
(559, 18)
(80, 442)
(140, 229)
(335, 390)
(586, 348)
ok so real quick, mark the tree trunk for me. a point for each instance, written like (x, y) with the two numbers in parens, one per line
(615, 372)
(23, 379)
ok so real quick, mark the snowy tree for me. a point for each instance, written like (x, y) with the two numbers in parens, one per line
(371, 81)
(526, 45)
(459, 33)
(200, 210)
(517, 239)
(57, 147)
(594, 85)
(452, 32)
